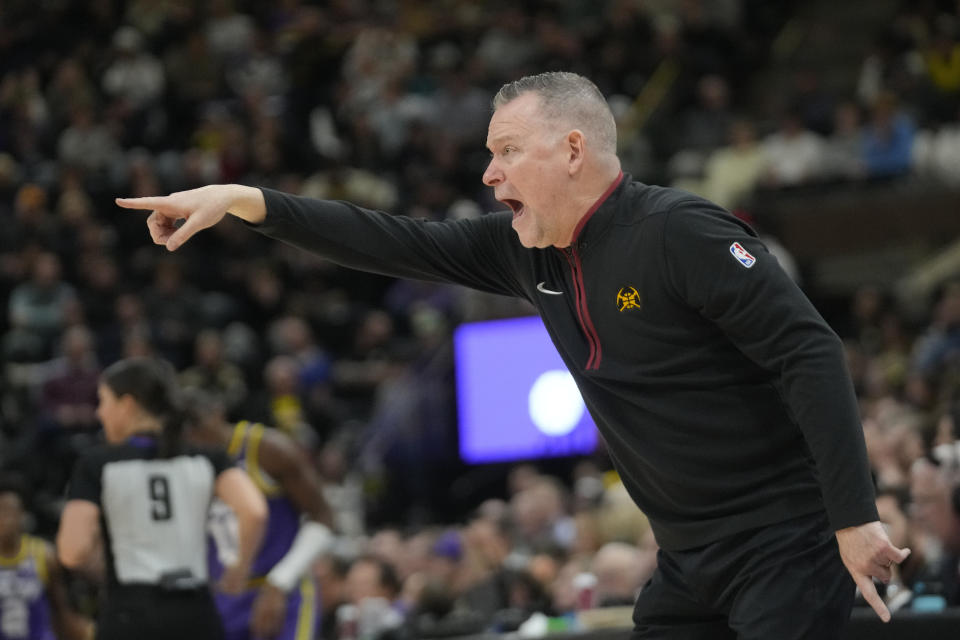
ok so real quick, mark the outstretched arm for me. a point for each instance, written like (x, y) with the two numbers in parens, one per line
(481, 253)
(198, 208)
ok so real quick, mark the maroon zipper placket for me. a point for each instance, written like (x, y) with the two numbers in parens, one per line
(583, 313)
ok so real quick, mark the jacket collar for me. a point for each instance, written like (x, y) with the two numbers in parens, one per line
(598, 216)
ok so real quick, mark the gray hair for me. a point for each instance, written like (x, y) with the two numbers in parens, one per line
(568, 98)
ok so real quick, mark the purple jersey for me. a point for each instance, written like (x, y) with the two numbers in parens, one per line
(283, 522)
(24, 608)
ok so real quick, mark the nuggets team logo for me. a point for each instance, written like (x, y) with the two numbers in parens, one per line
(742, 255)
(628, 298)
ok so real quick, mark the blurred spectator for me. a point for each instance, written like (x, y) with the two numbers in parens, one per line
(292, 336)
(70, 89)
(887, 139)
(372, 588)
(229, 32)
(172, 308)
(464, 105)
(620, 573)
(38, 310)
(793, 155)
(813, 102)
(619, 518)
(32, 222)
(377, 58)
(843, 152)
(707, 125)
(135, 77)
(941, 57)
(342, 489)
(259, 73)
(66, 408)
(213, 373)
(934, 491)
(280, 403)
(733, 171)
(87, 143)
(69, 392)
(938, 349)
(936, 153)
(506, 46)
(539, 513)
(100, 285)
(330, 573)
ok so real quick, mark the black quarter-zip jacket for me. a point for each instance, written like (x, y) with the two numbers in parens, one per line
(721, 392)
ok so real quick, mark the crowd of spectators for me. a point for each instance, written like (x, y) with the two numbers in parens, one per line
(386, 104)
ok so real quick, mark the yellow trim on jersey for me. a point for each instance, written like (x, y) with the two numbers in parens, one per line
(239, 430)
(263, 481)
(256, 583)
(17, 558)
(40, 558)
(307, 617)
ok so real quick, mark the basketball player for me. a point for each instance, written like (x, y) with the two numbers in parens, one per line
(33, 594)
(280, 601)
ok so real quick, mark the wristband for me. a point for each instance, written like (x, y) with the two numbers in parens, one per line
(312, 539)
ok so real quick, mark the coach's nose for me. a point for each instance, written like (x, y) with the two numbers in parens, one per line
(493, 175)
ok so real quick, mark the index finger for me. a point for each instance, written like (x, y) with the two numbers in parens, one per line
(873, 598)
(149, 202)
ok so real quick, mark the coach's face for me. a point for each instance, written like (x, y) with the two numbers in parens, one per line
(529, 172)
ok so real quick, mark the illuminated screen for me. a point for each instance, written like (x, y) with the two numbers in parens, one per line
(515, 398)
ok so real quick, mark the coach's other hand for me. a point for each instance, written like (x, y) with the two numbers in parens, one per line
(868, 553)
(198, 208)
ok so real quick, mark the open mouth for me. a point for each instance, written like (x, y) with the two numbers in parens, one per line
(516, 206)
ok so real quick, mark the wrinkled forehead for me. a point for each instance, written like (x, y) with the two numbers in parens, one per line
(518, 118)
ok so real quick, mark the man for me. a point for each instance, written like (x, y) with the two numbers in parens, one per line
(280, 601)
(720, 391)
(33, 592)
(935, 493)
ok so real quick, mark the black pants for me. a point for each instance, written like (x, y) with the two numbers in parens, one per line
(784, 581)
(150, 613)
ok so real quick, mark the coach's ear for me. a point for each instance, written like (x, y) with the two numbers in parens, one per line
(575, 148)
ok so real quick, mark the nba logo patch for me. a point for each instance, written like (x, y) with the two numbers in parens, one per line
(742, 255)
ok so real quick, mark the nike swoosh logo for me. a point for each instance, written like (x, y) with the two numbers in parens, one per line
(543, 289)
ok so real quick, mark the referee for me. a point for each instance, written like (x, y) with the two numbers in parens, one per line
(142, 499)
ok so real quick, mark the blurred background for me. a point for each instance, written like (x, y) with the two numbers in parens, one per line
(832, 127)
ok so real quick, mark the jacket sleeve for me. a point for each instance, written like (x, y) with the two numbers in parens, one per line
(480, 253)
(719, 267)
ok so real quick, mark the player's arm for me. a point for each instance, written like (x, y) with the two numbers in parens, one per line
(238, 491)
(285, 463)
(67, 623)
(283, 460)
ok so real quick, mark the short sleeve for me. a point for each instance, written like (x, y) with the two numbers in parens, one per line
(85, 484)
(219, 459)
